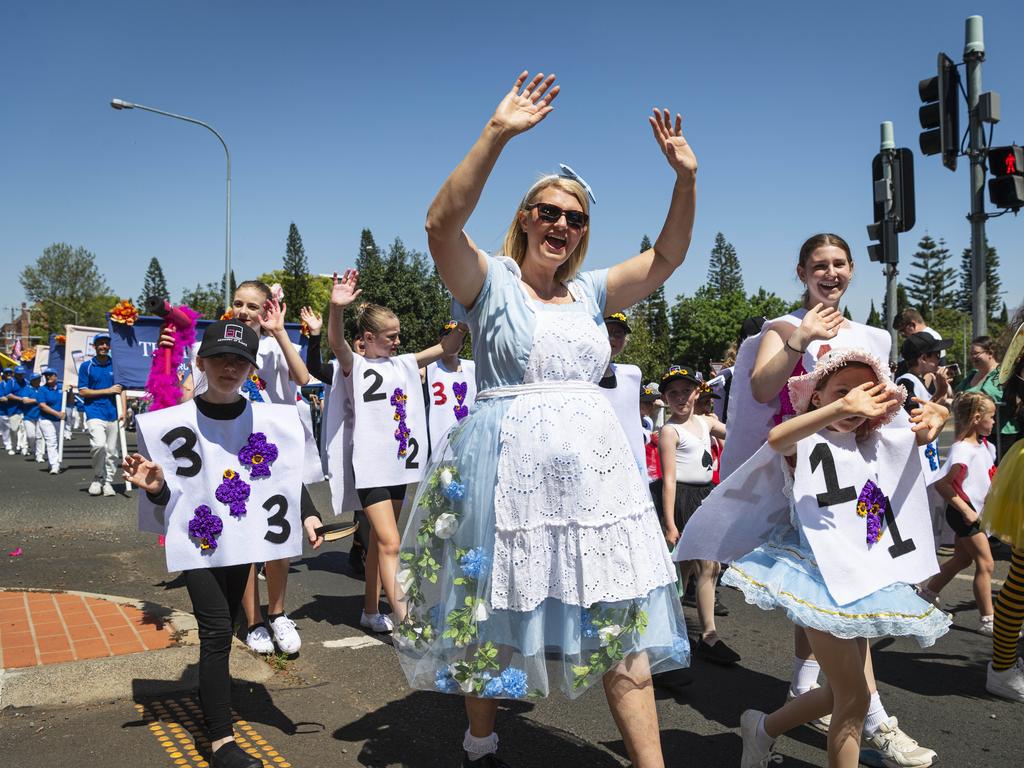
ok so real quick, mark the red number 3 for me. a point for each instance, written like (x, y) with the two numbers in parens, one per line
(440, 398)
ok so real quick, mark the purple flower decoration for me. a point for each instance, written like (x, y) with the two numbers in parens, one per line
(206, 527)
(871, 506)
(398, 398)
(459, 388)
(234, 492)
(258, 454)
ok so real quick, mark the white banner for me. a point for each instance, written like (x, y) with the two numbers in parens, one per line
(42, 358)
(77, 349)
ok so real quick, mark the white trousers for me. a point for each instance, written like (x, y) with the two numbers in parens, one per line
(103, 438)
(35, 447)
(5, 431)
(48, 437)
(17, 426)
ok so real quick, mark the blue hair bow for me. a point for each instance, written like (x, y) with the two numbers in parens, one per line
(569, 173)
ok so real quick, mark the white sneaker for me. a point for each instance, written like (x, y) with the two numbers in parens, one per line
(1007, 683)
(889, 747)
(986, 626)
(753, 755)
(378, 622)
(40, 460)
(108, 490)
(822, 723)
(259, 640)
(95, 488)
(54, 470)
(10, 451)
(285, 636)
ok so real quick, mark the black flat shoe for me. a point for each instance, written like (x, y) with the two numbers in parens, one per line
(233, 756)
(720, 609)
(719, 653)
(487, 761)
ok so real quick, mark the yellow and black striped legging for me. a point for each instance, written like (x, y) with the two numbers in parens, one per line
(1009, 614)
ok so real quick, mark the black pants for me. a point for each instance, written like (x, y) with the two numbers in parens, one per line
(216, 595)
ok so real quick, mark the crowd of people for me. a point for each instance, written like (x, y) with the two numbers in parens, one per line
(562, 512)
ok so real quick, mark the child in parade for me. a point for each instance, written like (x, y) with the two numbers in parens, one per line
(650, 397)
(451, 391)
(194, 473)
(97, 388)
(963, 483)
(532, 559)
(51, 416)
(387, 399)
(684, 445)
(838, 563)
(705, 406)
(621, 385)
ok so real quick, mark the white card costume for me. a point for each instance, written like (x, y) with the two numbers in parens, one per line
(624, 398)
(831, 476)
(979, 460)
(209, 465)
(390, 422)
(452, 395)
(337, 441)
(930, 452)
(751, 421)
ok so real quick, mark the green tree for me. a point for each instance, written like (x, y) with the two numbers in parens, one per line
(207, 300)
(296, 275)
(993, 283)
(153, 284)
(874, 319)
(846, 313)
(931, 283)
(652, 313)
(902, 302)
(641, 349)
(724, 273)
(704, 325)
(370, 263)
(65, 275)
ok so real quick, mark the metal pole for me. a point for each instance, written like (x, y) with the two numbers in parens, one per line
(119, 104)
(887, 149)
(974, 54)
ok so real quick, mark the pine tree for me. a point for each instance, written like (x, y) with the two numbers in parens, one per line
(296, 269)
(724, 273)
(154, 283)
(931, 286)
(874, 319)
(846, 313)
(652, 312)
(993, 283)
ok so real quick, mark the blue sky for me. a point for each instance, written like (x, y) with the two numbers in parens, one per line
(341, 116)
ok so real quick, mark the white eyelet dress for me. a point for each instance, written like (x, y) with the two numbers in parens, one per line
(533, 555)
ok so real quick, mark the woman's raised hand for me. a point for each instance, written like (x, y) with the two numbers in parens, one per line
(313, 320)
(670, 138)
(345, 289)
(522, 108)
(869, 400)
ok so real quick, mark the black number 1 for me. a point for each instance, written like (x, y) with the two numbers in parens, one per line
(833, 494)
(899, 547)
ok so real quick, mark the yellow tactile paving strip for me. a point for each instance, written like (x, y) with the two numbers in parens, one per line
(175, 724)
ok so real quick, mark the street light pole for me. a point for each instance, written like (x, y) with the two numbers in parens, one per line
(119, 104)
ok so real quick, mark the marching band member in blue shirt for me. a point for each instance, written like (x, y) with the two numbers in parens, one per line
(7, 406)
(96, 386)
(16, 417)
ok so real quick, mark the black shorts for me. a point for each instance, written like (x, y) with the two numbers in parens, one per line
(688, 498)
(956, 522)
(368, 496)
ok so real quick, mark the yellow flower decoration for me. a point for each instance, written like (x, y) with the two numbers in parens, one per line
(862, 509)
(618, 316)
(257, 459)
(229, 474)
(204, 543)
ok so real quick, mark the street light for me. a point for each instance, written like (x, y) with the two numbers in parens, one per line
(120, 104)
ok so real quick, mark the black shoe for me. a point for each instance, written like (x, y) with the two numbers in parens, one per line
(487, 761)
(719, 653)
(689, 598)
(671, 680)
(720, 609)
(233, 756)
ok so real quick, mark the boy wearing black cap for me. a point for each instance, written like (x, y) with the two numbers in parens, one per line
(96, 386)
(922, 353)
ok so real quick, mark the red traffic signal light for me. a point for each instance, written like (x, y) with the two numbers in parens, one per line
(940, 116)
(1006, 187)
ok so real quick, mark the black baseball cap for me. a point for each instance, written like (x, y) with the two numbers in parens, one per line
(685, 372)
(922, 343)
(230, 337)
(619, 318)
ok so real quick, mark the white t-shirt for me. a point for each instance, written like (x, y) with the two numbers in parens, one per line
(694, 464)
(979, 460)
(624, 399)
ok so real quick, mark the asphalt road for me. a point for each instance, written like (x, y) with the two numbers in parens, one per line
(348, 705)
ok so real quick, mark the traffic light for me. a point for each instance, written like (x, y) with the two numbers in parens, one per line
(940, 115)
(903, 211)
(1006, 187)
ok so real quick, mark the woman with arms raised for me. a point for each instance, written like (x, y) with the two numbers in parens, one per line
(532, 536)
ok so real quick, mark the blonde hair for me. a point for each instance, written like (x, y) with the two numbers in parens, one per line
(370, 318)
(966, 406)
(515, 238)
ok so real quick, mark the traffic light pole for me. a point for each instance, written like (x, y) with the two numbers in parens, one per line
(974, 54)
(887, 150)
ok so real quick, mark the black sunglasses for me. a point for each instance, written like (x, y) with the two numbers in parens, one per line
(552, 213)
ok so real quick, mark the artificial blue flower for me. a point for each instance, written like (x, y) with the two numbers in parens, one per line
(494, 686)
(444, 682)
(455, 491)
(474, 563)
(586, 626)
(514, 682)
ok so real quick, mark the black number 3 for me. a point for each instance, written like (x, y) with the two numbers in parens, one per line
(277, 520)
(184, 451)
(833, 493)
(373, 392)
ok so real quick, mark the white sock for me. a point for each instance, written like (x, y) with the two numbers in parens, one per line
(764, 741)
(876, 716)
(805, 675)
(477, 748)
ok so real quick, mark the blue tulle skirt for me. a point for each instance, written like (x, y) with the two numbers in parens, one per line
(782, 574)
(453, 641)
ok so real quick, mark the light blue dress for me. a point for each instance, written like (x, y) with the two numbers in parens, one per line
(782, 573)
(533, 556)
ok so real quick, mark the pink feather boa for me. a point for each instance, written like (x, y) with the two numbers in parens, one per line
(164, 388)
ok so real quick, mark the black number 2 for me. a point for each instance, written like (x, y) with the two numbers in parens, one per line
(277, 520)
(414, 449)
(373, 392)
(834, 494)
(184, 451)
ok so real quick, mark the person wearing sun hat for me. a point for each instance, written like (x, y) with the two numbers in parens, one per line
(839, 564)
